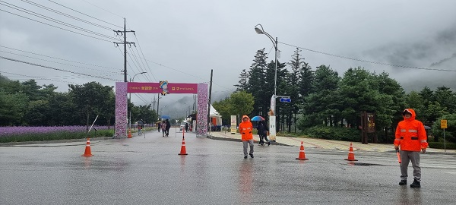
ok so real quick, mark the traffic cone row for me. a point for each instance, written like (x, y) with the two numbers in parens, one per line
(351, 154)
(87, 152)
(302, 154)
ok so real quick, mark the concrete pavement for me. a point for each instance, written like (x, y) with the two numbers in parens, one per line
(323, 143)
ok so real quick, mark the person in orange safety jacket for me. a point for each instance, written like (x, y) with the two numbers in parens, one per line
(246, 128)
(411, 138)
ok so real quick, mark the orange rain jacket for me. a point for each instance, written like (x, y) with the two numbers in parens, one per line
(410, 134)
(245, 128)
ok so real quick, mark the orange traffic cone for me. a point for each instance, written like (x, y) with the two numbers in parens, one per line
(302, 154)
(351, 154)
(183, 150)
(88, 152)
(129, 133)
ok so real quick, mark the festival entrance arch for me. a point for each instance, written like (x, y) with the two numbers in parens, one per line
(122, 88)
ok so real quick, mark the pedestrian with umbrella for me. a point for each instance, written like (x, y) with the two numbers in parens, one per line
(262, 129)
(263, 132)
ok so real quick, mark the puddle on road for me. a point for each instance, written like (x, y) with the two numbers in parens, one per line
(362, 164)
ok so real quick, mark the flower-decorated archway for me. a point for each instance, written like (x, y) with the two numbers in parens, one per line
(122, 88)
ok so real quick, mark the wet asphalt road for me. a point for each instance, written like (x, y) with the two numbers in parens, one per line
(148, 170)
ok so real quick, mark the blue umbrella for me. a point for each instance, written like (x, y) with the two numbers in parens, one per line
(257, 118)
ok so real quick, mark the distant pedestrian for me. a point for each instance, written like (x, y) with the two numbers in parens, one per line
(140, 126)
(263, 133)
(186, 127)
(158, 126)
(245, 128)
(168, 126)
(410, 139)
(163, 128)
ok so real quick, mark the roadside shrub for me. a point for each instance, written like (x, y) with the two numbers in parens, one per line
(23, 134)
(440, 145)
(333, 133)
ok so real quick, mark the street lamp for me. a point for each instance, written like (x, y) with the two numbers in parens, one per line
(259, 29)
(129, 98)
(272, 121)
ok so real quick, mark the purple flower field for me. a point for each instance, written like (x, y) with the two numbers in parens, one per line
(14, 131)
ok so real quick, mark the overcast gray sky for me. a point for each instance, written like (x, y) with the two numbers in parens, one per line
(183, 40)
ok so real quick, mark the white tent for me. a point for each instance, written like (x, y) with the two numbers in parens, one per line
(214, 114)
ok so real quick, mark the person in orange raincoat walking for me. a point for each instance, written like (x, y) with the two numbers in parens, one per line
(411, 138)
(245, 128)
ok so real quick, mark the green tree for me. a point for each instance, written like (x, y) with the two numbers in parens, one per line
(242, 81)
(391, 102)
(225, 109)
(321, 105)
(297, 64)
(37, 113)
(62, 110)
(257, 83)
(242, 103)
(108, 108)
(12, 108)
(89, 98)
(446, 98)
(32, 90)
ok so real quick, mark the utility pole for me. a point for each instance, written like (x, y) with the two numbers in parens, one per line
(158, 105)
(124, 33)
(209, 102)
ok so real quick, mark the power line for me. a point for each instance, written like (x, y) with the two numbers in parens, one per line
(56, 26)
(366, 61)
(128, 62)
(55, 20)
(141, 98)
(65, 14)
(138, 58)
(139, 63)
(57, 69)
(134, 62)
(144, 58)
(56, 58)
(57, 62)
(37, 77)
(84, 14)
(103, 9)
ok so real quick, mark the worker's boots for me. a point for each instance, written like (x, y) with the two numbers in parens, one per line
(403, 182)
(415, 184)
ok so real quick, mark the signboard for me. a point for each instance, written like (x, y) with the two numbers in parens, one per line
(287, 100)
(443, 124)
(370, 123)
(272, 128)
(233, 124)
(137, 87)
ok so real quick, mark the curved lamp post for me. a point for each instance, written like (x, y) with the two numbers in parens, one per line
(259, 29)
(272, 126)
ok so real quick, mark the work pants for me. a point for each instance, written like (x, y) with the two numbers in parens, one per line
(245, 144)
(406, 157)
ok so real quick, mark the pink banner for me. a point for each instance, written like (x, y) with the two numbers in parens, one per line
(134, 87)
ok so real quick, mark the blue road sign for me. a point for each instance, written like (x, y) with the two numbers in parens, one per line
(287, 100)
